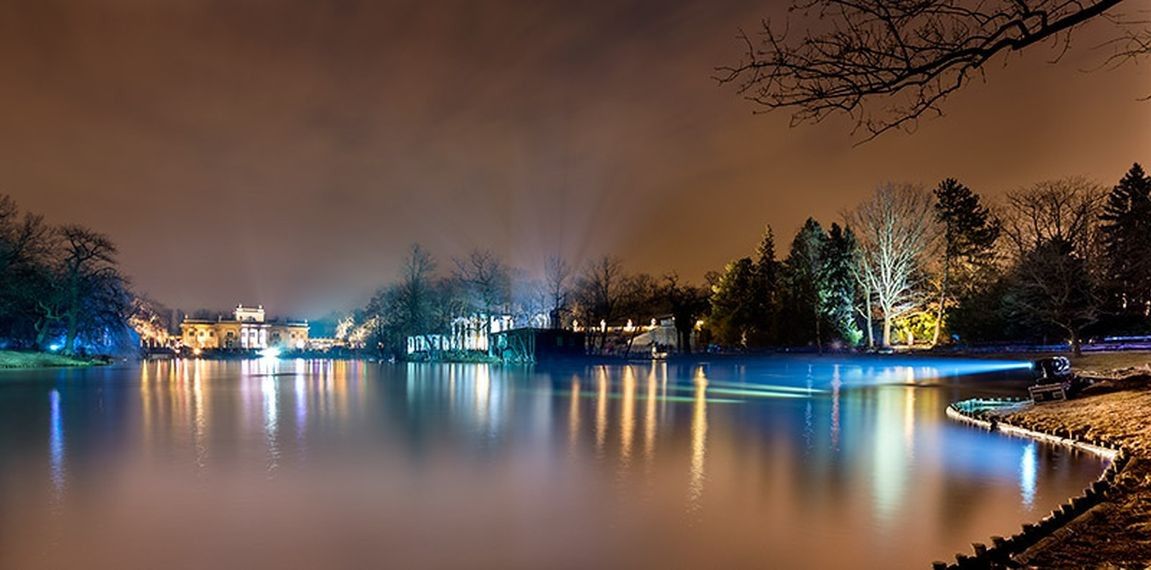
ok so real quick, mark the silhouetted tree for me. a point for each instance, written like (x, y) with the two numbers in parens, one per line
(888, 63)
(557, 280)
(419, 304)
(598, 292)
(485, 281)
(91, 284)
(766, 293)
(1126, 236)
(1053, 285)
(970, 232)
(1052, 228)
(687, 304)
(640, 301)
(25, 246)
(806, 292)
(1053, 210)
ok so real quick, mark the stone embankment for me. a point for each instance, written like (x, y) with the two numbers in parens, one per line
(1109, 524)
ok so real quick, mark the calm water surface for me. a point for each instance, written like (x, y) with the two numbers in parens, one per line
(771, 463)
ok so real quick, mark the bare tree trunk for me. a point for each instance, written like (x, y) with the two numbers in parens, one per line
(867, 314)
(73, 320)
(42, 328)
(886, 328)
(942, 302)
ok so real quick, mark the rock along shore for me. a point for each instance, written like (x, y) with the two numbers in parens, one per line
(1109, 525)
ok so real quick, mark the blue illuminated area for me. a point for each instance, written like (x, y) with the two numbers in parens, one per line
(56, 440)
(804, 377)
(797, 377)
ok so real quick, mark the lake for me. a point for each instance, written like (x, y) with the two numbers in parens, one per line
(782, 462)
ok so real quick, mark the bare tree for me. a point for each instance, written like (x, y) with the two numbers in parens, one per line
(88, 269)
(687, 304)
(1053, 285)
(1066, 210)
(413, 306)
(486, 283)
(599, 291)
(557, 280)
(896, 231)
(639, 295)
(1052, 230)
(23, 239)
(887, 63)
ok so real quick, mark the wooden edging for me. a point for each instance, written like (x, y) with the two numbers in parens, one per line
(1001, 549)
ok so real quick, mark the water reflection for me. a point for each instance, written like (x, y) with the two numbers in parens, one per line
(602, 386)
(270, 389)
(698, 440)
(652, 464)
(649, 416)
(627, 416)
(56, 443)
(1027, 473)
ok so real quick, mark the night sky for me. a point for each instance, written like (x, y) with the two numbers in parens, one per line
(287, 152)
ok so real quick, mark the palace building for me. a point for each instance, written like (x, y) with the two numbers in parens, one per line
(246, 330)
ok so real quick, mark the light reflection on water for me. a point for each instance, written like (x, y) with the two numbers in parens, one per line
(300, 464)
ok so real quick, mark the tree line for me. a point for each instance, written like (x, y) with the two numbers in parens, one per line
(426, 297)
(61, 287)
(1056, 261)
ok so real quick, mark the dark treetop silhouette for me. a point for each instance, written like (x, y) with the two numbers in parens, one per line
(887, 63)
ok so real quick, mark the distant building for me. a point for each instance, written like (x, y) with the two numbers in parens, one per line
(247, 329)
(467, 334)
(538, 345)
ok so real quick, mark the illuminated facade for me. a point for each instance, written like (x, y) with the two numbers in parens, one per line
(246, 330)
(467, 334)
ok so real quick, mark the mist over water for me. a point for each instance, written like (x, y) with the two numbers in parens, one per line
(782, 462)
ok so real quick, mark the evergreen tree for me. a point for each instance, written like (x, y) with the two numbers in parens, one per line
(733, 304)
(839, 284)
(767, 272)
(969, 235)
(805, 288)
(1126, 232)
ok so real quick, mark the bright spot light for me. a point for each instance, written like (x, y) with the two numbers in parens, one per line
(54, 347)
(270, 352)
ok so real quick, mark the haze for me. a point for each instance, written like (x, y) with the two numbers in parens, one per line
(286, 153)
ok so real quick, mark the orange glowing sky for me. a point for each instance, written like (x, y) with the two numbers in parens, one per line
(287, 152)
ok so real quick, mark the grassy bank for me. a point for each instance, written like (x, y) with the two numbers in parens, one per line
(1117, 532)
(11, 359)
(1113, 363)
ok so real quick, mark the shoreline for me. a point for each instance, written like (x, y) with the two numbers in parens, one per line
(1109, 524)
(25, 361)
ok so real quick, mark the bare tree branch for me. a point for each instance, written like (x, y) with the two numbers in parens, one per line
(886, 63)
